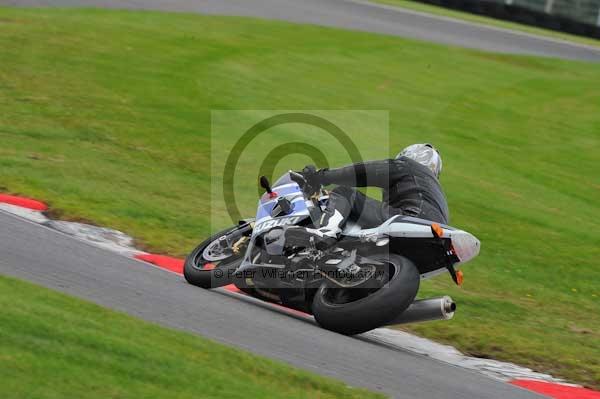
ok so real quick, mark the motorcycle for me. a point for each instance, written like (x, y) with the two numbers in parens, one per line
(369, 279)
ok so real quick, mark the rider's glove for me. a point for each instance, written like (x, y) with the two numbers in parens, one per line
(311, 178)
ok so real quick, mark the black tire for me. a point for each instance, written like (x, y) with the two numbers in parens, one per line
(374, 310)
(193, 267)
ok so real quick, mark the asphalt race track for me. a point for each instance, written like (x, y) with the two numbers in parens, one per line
(358, 15)
(44, 256)
(49, 258)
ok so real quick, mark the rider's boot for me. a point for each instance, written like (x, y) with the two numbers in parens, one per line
(322, 238)
(301, 237)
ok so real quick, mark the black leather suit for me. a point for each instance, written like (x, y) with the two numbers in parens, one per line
(409, 188)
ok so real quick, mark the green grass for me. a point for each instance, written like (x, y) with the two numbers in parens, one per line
(465, 16)
(56, 346)
(106, 114)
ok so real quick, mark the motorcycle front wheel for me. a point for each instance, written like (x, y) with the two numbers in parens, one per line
(210, 264)
(352, 311)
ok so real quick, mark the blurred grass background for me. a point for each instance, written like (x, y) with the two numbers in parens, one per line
(106, 115)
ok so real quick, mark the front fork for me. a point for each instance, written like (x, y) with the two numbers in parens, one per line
(238, 237)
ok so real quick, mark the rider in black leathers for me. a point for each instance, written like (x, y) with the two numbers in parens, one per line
(410, 187)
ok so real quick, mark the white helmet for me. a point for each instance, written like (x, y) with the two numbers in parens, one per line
(426, 155)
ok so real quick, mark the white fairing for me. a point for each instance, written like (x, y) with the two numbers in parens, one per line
(465, 245)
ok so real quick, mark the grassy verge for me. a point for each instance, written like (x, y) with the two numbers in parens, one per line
(53, 346)
(106, 114)
(465, 16)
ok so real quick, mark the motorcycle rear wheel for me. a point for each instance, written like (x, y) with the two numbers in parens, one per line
(339, 309)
